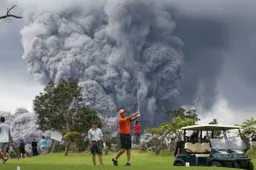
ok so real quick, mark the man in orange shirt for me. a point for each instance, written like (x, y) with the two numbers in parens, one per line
(125, 135)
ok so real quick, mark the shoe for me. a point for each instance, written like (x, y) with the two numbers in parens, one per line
(127, 164)
(4, 160)
(94, 163)
(114, 162)
(101, 164)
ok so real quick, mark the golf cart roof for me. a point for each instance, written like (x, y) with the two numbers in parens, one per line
(210, 127)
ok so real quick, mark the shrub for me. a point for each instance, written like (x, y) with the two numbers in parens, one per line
(143, 147)
(251, 153)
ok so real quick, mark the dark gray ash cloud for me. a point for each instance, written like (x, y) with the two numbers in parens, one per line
(168, 51)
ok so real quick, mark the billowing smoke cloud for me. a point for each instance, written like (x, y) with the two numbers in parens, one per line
(120, 52)
(24, 126)
(124, 50)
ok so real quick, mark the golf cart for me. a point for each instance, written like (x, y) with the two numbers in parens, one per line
(216, 148)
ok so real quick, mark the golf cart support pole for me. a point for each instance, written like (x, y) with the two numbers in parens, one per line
(225, 134)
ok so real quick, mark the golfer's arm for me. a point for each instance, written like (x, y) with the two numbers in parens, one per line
(10, 137)
(89, 137)
(101, 136)
(134, 118)
(131, 116)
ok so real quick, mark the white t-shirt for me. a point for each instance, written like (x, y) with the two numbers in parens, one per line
(95, 134)
(4, 133)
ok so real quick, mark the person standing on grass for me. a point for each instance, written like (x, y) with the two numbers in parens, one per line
(22, 149)
(136, 132)
(125, 135)
(5, 138)
(34, 147)
(95, 137)
(43, 144)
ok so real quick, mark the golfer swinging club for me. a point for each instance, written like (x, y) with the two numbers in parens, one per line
(125, 137)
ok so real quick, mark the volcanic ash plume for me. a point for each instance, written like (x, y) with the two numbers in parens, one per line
(119, 51)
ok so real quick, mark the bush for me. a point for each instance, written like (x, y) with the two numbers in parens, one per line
(80, 144)
(58, 147)
(71, 136)
(143, 147)
(251, 153)
(114, 143)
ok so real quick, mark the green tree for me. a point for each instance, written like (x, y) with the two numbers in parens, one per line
(182, 113)
(172, 128)
(191, 114)
(61, 108)
(248, 128)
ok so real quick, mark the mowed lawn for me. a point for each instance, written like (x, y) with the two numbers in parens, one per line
(82, 161)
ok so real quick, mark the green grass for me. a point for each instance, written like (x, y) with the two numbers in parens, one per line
(82, 161)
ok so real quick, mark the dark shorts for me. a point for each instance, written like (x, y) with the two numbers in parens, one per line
(96, 148)
(22, 150)
(126, 141)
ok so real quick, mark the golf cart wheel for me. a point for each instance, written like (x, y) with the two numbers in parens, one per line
(216, 164)
(178, 164)
(250, 166)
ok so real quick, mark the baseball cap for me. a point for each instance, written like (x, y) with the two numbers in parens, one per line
(121, 111)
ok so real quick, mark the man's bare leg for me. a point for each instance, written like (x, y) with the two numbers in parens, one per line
(100, 159)
(114, 160)
(3, 154)
(128, 155)
(119, 154)
(94, 159)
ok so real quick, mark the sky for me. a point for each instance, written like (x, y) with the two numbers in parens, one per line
(219, 51)
(17, 86)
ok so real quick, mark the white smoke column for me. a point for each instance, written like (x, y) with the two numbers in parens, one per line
(115, 49)
(25, 127)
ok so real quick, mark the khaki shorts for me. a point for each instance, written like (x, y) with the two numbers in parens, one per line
(3, 147)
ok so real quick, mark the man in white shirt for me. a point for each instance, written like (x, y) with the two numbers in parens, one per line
(5, 138)
(95, 137)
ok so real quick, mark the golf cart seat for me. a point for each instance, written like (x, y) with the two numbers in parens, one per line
(196, 149)
(207, 147)
(200, 150)
(189, 147)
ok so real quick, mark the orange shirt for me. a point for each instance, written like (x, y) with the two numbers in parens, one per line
(124, 126)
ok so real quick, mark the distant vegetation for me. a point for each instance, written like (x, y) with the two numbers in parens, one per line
(60, 107)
